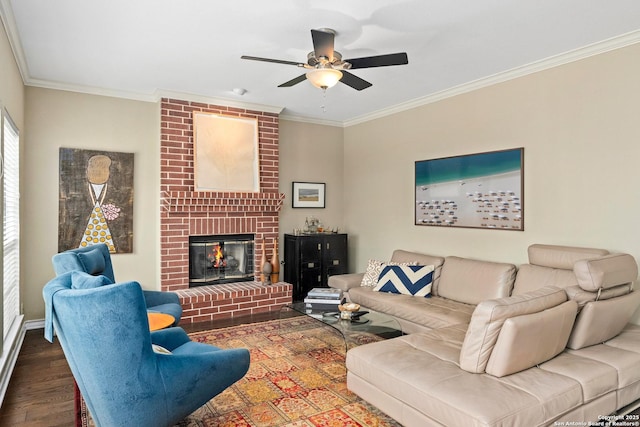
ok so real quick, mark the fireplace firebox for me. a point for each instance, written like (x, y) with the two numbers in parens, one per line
(221, 259)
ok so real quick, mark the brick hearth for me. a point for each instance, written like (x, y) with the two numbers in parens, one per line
(188, 212)
(232, 300)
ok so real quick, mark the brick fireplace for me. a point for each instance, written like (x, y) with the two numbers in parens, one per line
(186, 212)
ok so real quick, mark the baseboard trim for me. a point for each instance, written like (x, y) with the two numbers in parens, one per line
(34, 324)
(9, 356)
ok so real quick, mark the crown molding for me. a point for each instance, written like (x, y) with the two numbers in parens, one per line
(534, 67)
(227, 102)
(303, 119)
(9, 23)
(91, 90)
(155, 97)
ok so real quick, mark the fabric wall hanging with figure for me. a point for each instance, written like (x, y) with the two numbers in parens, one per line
(96, 200)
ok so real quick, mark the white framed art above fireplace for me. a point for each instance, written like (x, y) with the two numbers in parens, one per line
(226, 154)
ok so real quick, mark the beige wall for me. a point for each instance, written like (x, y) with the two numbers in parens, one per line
(311, 153)
(57, 119)
(580, 129)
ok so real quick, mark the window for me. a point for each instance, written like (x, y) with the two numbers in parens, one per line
(11, 224)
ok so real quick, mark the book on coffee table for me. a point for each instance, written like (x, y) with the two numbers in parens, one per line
(321, 304)
(323, 299)
(325, 293)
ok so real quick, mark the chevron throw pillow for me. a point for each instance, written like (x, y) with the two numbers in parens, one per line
(374, 267)
(406, 279)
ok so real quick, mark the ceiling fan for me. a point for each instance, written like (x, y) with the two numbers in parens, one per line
(326, 66)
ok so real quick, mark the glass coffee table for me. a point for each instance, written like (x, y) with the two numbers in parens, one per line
(367, 328)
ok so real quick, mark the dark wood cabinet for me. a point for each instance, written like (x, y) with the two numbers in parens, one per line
(310, 259)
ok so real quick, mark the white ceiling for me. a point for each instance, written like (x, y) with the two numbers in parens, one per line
(191, 49)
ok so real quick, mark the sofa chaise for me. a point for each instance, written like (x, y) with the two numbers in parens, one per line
(494, 345)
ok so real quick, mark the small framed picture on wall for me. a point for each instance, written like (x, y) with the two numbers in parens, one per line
(308, 194)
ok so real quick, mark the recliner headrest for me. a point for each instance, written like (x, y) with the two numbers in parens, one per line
(563, 257)
(605, 272)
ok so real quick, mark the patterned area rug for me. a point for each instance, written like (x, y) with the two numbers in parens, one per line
(297, 378)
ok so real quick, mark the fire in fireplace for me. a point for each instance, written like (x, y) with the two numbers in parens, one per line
(221, 259)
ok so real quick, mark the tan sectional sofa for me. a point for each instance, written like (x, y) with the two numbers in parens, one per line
(543, 344)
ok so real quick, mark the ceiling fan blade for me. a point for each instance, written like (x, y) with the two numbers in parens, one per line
(276, 61)
(379, 61)
(323, 43)
(295, 81)
(354, 81)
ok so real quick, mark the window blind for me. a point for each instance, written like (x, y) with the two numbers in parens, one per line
(11, 224)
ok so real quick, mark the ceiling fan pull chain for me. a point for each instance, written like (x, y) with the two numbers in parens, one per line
(324, 96)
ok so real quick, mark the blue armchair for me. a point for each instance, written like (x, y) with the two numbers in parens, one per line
(104, 333)
(96, 260)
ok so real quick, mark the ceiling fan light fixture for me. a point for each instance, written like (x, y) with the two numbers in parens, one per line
(324, 78)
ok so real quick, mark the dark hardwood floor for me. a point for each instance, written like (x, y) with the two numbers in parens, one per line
(41, 390)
